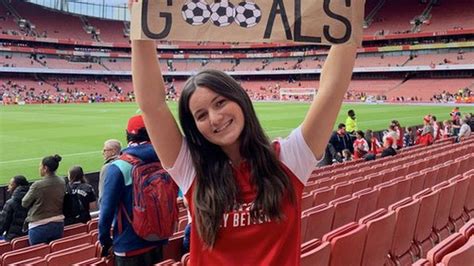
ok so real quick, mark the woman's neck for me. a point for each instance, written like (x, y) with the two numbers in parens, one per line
(233, 152)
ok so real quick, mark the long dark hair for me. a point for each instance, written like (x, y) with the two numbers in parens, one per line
(76, 174)
(216, 190)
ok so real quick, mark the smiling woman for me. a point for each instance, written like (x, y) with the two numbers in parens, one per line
(241, 188)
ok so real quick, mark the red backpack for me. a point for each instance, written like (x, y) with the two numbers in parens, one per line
(154, 208)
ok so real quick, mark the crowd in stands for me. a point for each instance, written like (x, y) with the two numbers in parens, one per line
(348, 142)
(463, 94)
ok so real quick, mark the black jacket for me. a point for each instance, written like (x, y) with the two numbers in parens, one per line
(341, 142)
(13, 215)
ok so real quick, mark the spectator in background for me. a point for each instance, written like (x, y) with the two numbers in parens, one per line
(351, 122)
(400, 133)
(447, 129)
(392, 133)
(408, 138)
(45, 202)
(128, 247)
(346, 155)
(13, 214)
(436, 128)
(84, 192)
(340, 140)
(374, 144)
(110, 152)
(456, 120)
(426, 134)
(361, 147)
(465, 130)
(388, 147)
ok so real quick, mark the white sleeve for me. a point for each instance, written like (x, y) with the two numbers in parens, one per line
(183, 172)
(297, 156)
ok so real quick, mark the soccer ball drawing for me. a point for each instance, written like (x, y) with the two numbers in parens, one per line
(222, 13)
(196, 12)
(247, 14)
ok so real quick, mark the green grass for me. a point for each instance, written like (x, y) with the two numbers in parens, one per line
(77, 131)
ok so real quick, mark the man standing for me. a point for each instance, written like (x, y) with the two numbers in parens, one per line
(351, 122)
(116, 205)
(340, 140)
(465, 130)
(110, 152)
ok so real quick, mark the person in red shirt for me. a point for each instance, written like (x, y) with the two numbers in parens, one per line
(374, 144)
(361, 147)
(244, 193)
(400, 132)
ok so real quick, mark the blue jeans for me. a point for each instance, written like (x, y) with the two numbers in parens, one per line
(46, 233)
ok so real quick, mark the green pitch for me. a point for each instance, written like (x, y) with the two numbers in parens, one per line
(77, 131)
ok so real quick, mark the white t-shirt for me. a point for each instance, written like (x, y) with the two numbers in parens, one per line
(294, 153)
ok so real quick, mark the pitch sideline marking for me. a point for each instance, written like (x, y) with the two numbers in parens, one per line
(39, 158)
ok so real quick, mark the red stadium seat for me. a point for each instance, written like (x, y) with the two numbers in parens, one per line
(468, 229)
(380, 228)
(70, 241)
(359, 184)
(347, 244)
(75, 229)
(441, 221)
(5, 247)
(431, 176)
(469, 203)
(423, 239)
(174, 249)
(403, 187)
(459, 198)
(367, 202)
(319, 221)
(93, 224)
(20, 242)
(13, 256)
(323, 195)
(318, 255)
(417, 182)
(71, 255)
(461, 256)
(387, 194)
(307, 202)
(448, 245)
(36, 261)
(342, 189)
(406, 213)
(345, 210)
(185, 260)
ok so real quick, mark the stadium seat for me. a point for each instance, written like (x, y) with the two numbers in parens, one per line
(70, 241)
(422, 262)
(448, 245)
(442, 173)
(467, 229)
(13, 256)
(167, 262)
(359, 184)
(387, 194)
(469, 202)
(325, 182)
(441, 221)
(417, 182)
(306, 202)
(374, 179)
(174, 249)
(380, 227)
(75, 229)
(5, 247)
(95, 235)
(185, 259)
(406, 212)
(347, 244)
(90, 261)
(71, 255)
(431, 176)
(20, 242)
(318, 255)
(367, 202)
(342, 189)
(323, 195)
(461, 256)
(36, 261)
(459, 198)
(92, 224)
(319, 221)
(182, 224)
(345, 210)
(423, 239)
(403, 187)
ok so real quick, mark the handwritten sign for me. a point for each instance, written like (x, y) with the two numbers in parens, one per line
(307, 21)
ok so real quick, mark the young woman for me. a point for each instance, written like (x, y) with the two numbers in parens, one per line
(361, 147)
(45, 202)
(85, 194)
(244, 193)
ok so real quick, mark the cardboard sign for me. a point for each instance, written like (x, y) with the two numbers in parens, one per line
(307, 21)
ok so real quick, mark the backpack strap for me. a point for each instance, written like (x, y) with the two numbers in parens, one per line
(125, 163)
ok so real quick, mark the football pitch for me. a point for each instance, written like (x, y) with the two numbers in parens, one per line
(77, 131)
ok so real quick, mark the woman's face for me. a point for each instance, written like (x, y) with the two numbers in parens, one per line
(218, 119)
(42, 170)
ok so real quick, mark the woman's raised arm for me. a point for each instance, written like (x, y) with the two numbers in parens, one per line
(150, 93)
(335, 77)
